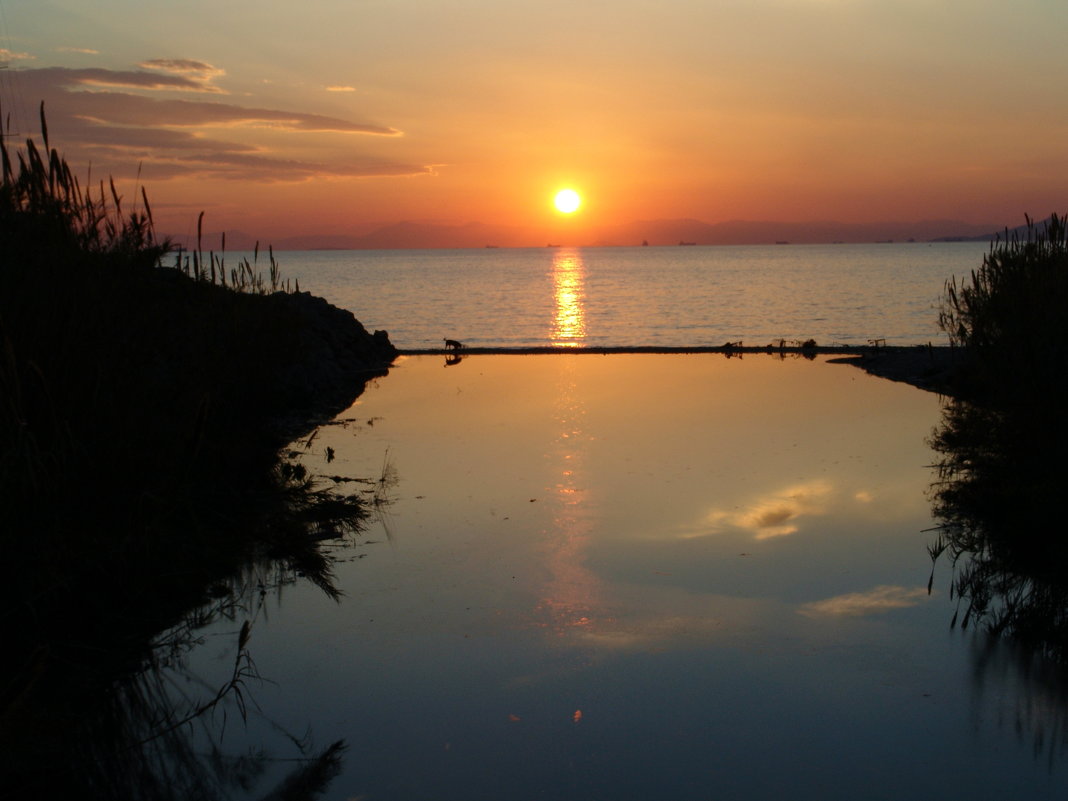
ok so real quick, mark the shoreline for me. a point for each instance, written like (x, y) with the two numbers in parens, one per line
(927, 367)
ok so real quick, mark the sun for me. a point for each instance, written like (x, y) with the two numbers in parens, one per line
(567, 201)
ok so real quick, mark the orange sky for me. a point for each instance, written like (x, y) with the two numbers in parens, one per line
(331, 116)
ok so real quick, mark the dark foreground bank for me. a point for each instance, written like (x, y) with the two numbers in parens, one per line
(143, 413)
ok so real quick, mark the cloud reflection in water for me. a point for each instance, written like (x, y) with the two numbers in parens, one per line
(777, 514)
(858, 604)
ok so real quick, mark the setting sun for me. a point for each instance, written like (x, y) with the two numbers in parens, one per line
(567, 201)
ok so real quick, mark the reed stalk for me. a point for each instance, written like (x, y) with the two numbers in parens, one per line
(139, 435)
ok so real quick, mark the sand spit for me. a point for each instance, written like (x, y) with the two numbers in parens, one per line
(929, 368)
(923, 366)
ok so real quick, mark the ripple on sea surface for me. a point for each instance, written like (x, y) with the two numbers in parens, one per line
(661, 296)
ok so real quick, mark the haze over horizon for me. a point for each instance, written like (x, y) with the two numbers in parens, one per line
(332, 119)
(433, 234)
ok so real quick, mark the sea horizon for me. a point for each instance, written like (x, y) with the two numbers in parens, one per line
(656, 296)
(451, 235)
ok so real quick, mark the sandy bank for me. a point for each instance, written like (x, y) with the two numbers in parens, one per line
(926, 367)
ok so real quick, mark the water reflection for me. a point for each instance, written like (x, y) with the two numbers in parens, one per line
(569, 296)
(1028, 693)
(117, 712)
(542, 569)
(777, 514)
(163, 731)
(573, 592)
(861, 604)
(998, 499)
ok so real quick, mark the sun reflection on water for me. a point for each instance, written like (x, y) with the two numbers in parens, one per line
(569, 295)
(572, 595)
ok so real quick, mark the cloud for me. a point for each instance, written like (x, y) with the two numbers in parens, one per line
(10, 55)
(91, 116)
(199, 72)
(257, 167)
(341, 88)
(858, 604)
(132, 109)
(83, 50)
(181, 66)
(95, 134)
(777, 514)
(68, 77)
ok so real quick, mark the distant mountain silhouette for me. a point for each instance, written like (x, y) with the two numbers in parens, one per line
(437, 235)
(1004, 233)
(417, 234)
(749, 232)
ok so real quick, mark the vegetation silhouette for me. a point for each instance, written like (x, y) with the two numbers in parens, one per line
(1000, 474)
(160, 732)
(143, 413)
(1010, 318)
(1002, 444)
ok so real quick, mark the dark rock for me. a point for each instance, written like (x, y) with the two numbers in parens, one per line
(326, 359)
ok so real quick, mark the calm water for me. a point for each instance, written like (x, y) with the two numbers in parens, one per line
(667, 296)
(640, 577)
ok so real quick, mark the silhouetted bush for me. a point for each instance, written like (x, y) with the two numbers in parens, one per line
(142, 411)
(1002, 447)
(1011, 315)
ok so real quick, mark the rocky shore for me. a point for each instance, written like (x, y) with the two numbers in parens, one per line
(332, 358)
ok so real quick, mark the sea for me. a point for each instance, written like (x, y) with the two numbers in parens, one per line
(842, 294)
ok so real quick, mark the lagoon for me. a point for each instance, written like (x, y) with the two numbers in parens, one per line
(633, 577)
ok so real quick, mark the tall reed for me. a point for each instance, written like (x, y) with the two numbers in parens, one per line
(1011, 314)
(139, 435)
(1001, 452)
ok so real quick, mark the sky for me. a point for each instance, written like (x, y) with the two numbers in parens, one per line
(337, 116)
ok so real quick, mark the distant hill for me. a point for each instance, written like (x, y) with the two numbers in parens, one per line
(413, 234)
(399, 236)
(748, 232)
(1003, 233)
(437, 235)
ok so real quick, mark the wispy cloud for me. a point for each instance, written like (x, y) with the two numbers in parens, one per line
(341, 88)
(240, 166)
(96, 134)
(70, 78)
(858, 604)
(199, 72)
(83, 50)
(122, 117)
(182, 65)
(11, 55)
(134, 109)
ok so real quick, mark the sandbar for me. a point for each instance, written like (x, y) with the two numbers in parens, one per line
(928, 367)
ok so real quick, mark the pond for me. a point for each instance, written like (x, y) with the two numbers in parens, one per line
(641, 576)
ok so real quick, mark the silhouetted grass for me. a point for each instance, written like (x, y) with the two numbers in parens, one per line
(141, 413)
(1002, 449)
(1011, 320)
(1011, 315)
